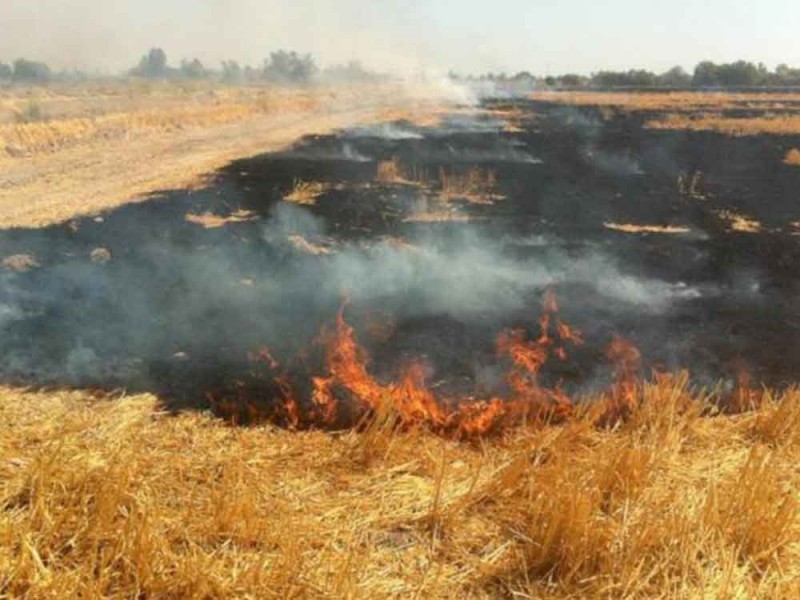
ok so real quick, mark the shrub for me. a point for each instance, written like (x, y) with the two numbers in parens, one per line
(792, 157)
(30, 71)
(290, 67)
(153, 64)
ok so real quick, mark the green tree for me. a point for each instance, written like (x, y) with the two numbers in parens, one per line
(736, 74)
(571, 80)
(785, 75)
(232, 72)
(153, 64)
(740, 73)
(706, 74)
(193, 69)
(638, 78)
(675, 77)
(289, 67)
(30, 71)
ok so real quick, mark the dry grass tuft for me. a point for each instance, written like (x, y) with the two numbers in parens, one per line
(739, 222)
(779, 124)
(20, 263)
(306, 192)
(438, 216)
(303, 245)
(392, 172)
(792, 157)
(389, 171)
(420, 115)
(634, 228)
(209, 220)
(111, 497)
(475, 186)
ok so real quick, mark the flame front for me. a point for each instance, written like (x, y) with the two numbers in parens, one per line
(347, 393)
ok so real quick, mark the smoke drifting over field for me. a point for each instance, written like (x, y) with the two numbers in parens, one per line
(92, 35)
(168, 294)
(390, 35)
(443, 241)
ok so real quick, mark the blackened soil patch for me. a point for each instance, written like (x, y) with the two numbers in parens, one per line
(144, 299)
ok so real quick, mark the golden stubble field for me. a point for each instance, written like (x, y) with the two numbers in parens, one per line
(111, 497)
(758, 112)
(75, 150)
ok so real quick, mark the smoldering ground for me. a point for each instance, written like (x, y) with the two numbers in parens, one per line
(146, 299)
(175, 295)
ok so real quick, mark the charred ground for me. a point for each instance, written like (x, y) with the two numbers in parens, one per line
(440, 236)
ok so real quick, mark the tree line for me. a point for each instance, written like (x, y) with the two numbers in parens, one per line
(25, 70)
(282, 67)
(289, 67)
(707, 74)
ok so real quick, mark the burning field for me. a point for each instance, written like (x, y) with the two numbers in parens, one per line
(518, 350)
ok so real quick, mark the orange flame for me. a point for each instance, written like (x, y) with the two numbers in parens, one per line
(347, 364)
(347, 391)
(745, 395)
(624, 396)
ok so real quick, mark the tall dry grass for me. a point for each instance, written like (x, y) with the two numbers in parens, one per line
(112, 498)
(476, 185)
(306, 192)
(674, 101)
(771, 113)
(775, 124)
(45, 134)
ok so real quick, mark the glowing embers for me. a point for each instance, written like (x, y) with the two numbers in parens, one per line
(346, 394)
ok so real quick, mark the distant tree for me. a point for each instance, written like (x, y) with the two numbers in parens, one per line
(675, 77)
(289, 67)
(252, 74)
(763, 74)
(232, 72)
(737, 74)
(30, 71)
(152, 65)
(193, 69)
(6, 72)
(524, 77)
(785, 75)
(706, 74)
(741, 73)
(521, 82)
(632, 78)
(572, 80)
(605, 79)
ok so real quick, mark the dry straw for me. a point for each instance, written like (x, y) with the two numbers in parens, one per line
(114, 498)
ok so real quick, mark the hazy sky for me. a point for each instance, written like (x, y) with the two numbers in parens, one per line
(543, 36)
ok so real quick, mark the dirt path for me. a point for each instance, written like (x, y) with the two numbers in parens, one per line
(50, 188)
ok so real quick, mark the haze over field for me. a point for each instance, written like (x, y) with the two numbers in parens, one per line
(395, 35)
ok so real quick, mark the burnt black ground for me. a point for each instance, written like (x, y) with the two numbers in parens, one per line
(178, 307)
